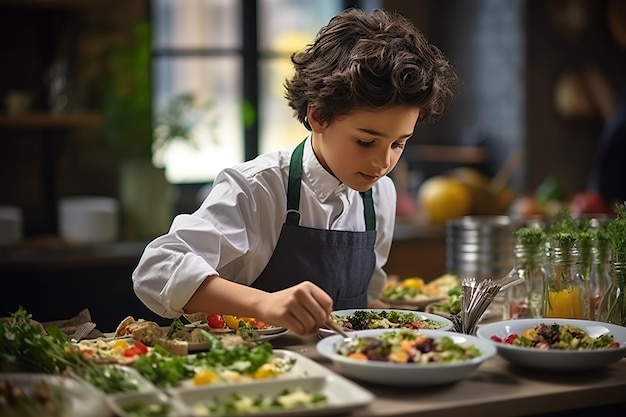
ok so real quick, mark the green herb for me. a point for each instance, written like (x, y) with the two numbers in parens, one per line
(175, 328)
(616, 233)
(566, 223)
(534, 241)
(109, 379)
(564, 243)
(236, 404)
(240, 358)
(586, 242)
(166, 370)
(25, 348)
(162, 368)
(141, 409)
(603, 245)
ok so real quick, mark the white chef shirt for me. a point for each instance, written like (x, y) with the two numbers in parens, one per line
(235, 230)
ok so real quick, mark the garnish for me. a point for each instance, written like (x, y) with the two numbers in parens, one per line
(534, 241)
(25, 348)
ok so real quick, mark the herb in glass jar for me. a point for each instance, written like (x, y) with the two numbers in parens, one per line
(613, 305)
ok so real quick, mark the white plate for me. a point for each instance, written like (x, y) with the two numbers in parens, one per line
(303, 367)
(557, 360)
(406, 374)
(204, 325)
(262, 337)
(143, 385)
(417, 304)
(118, 403)
(81, 399)
(446, 324)
(343, 395)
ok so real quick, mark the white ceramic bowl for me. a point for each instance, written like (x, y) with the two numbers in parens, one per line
(10, 226)
(406, 374)
(446, 324)
(558, 360)
(87, 219)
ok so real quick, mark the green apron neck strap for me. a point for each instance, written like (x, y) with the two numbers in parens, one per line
(293, 186)
(368, 210)
(293, 192)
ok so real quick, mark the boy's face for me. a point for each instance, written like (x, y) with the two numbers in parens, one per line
(362, 147)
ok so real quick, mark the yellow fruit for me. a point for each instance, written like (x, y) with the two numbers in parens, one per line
(444, 198)
(414, 282)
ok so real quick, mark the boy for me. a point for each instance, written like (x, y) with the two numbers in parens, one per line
(290, 236)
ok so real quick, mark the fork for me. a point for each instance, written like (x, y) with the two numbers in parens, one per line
(82, 331)
(337, 328)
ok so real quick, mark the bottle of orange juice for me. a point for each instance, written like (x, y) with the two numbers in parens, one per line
(568, 289)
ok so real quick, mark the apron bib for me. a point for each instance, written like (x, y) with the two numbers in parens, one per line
(340, 262)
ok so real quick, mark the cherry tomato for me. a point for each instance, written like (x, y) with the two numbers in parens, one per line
(215, 321)
(143, 349)
(510, 338)
(131, 351)
(87, 352)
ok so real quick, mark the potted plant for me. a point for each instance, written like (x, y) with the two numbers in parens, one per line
(145, 195)
(139, 135)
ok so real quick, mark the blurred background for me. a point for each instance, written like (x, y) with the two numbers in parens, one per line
(115, 116)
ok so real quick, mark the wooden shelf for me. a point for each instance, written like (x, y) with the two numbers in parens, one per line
(448, 153)
(48, 4)
(50, 121)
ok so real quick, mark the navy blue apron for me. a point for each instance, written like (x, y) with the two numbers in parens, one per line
(340, 262)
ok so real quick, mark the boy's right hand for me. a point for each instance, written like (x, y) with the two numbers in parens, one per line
(303, 308)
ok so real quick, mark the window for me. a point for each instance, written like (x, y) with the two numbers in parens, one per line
(233, 57)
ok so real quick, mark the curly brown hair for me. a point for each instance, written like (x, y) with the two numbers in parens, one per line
(370, 60)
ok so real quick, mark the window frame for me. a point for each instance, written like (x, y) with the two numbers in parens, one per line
(251, 56)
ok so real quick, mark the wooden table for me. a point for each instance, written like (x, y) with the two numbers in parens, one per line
(496, 388)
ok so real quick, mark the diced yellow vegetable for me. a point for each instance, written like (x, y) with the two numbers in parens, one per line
(204, 377)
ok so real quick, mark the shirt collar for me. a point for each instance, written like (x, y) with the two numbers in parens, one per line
(322, 182)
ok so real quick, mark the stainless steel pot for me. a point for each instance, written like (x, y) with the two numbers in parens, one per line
(480, 246)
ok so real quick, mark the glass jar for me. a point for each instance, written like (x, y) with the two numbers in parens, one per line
(527, 299)
(568, 290)
(599, 275)
(612, 307)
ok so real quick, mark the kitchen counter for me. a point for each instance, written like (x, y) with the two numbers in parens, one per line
(496, 388)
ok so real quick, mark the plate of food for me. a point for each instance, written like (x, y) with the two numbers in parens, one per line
(556, 344)
(218, 323)
(112, 350)
(376, 318)
(401, 357)
(448, 306)
(34, 394)
(182, 339)
(153, 403)
(304, 388)
(417, 293)
(308, 396)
